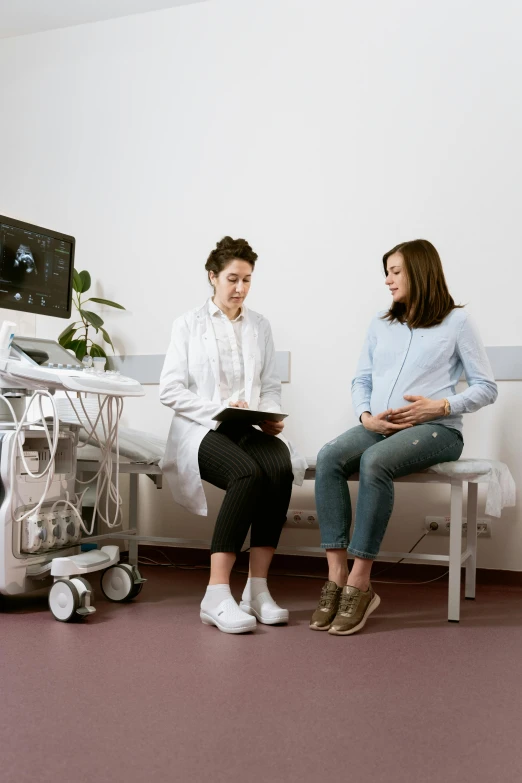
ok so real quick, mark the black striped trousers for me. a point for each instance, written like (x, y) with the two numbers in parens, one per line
(256, 472)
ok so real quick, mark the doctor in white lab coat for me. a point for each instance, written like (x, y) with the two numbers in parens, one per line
(223, 354)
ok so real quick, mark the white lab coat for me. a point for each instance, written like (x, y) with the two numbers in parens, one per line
(189, 384)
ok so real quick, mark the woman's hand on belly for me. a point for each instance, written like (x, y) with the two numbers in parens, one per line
(421, 409)
(381, 424)
(272, 427)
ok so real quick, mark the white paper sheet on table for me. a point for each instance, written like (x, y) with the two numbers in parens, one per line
(501, 492)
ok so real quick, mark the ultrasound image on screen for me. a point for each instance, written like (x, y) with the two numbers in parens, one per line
(20, 262)
(35, 271)
(24, 259)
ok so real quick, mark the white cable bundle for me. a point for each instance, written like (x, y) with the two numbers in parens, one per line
(100, 418)
(19, 444)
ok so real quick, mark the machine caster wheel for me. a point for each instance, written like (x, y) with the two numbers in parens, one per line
(137, 581)
(64, 600)
(70, 599)
(86, 586)
(86, 594)
(117, 583)
(136, 590)
(121, 582)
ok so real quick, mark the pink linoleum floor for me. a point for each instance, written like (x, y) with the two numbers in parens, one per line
(145, 692)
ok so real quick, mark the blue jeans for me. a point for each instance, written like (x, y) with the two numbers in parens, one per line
(379, 460)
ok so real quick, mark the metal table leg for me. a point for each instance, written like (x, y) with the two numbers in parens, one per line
(471, 540)
(133, 517)
(455, 552)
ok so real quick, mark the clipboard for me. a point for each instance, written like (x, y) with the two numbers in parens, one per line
(247, 416)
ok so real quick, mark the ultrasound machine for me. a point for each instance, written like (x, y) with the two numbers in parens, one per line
(41, 522)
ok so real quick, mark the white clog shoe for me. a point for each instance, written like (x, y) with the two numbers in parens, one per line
(228, 617)
(265, 609)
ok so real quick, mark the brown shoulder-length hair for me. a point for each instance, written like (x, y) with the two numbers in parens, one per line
(429, 301)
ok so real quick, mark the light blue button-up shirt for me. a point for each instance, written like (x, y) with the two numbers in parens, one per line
(397, 360)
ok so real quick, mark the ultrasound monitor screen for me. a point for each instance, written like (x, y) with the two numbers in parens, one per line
(36, 267)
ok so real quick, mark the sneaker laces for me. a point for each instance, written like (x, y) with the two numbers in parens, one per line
(348, 603)
(327, 595)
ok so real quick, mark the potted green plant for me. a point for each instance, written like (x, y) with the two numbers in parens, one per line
(82, 344)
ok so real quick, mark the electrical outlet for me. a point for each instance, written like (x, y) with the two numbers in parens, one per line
(301, 519)
(440, 526)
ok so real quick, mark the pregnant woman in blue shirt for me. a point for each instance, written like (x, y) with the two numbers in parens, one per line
(411, 418)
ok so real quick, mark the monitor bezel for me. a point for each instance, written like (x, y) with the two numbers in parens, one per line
(55, 235)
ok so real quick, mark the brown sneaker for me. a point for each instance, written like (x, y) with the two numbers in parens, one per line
(354, 609)
(327, 609)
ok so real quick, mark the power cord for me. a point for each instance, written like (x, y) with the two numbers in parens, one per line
(149, 561)
(384, 570)
(402, 558)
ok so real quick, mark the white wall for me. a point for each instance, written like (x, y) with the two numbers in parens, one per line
(324, 131)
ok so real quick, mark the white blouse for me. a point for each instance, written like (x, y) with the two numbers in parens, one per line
(229, 340)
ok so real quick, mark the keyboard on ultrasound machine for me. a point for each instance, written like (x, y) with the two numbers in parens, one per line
(76, 380)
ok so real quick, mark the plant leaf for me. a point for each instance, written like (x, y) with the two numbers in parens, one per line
(77, 281)
(79, 347)
(97, 350)
(67, 334)
(107, 338)
(92, 318)
(105, 302)
(85, 280)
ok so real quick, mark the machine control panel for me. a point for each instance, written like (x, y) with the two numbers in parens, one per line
(46, 362)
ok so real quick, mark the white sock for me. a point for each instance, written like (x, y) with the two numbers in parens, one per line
(214, 595)
(254, 586)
